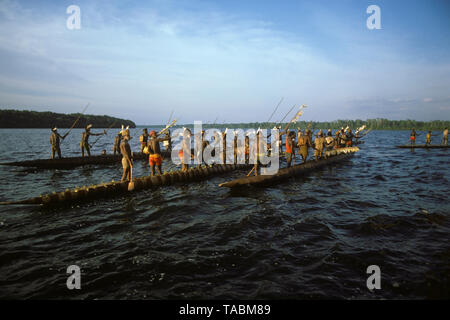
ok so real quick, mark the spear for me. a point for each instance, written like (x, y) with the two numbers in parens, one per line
(75, 122)
(170, 118)
(104, 132)
(286, 115)
(275, 109)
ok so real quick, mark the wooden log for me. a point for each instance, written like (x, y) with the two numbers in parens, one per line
(114, 187)
(285, 173)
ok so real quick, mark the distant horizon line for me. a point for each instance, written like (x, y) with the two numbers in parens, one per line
(270, 122)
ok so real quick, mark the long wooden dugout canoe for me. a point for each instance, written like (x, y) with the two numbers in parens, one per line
(104, 190)
(332, 157)
(71, 162)
(429, 146)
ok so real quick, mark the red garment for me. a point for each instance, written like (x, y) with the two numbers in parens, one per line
(155, 159)
(288, 148)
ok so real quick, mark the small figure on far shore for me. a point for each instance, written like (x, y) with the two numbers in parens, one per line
(445, 137)
(412, 136)
(428, 137)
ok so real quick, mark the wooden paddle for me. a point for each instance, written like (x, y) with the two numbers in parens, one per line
(131, 183)
(167, 127)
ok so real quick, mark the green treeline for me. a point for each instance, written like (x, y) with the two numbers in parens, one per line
(374, 124)
(34, 119)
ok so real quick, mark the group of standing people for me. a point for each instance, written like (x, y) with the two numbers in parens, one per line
(414, 134)
(150, 145)
(344, 138)
(55, 141)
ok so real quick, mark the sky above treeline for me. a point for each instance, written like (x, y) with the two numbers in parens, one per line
(227, 60)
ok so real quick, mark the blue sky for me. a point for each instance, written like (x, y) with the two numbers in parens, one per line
(231, 60)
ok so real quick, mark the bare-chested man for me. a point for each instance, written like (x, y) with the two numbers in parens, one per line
(303, 143)
(154, 157)
(54, 142)
(290, 148)
(127, 159)
(319, 145)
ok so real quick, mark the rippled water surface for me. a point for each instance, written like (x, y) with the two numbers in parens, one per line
(310, 237)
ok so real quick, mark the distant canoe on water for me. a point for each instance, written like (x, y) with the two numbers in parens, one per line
(430, 146)
(71, 162)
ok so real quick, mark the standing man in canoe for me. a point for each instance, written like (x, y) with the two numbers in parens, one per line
(224, 141)
(259, 150)
(342, 139)
(319, 145)
(185, 153)
(329, 140)
(445, 137)
(247, 149)
(117, 140)
(155, 158)
(303, 143)
(412, 136)
(127, 160)
(290, 148)
(168, 143)
(428, 138)
(349, 138)
(280, 139)
(143, 138)
(54, 142)
(84, 144)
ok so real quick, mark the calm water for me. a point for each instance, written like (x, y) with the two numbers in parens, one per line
(311, 237)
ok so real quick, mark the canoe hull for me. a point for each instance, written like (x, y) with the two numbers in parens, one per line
(424, 146)
(67, 163)
(105, 190)
(286, 173)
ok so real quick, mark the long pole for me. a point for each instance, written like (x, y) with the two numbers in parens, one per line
(105, 133)
(286, 115)
(275, 109)
(75, 122)
(170, 118)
